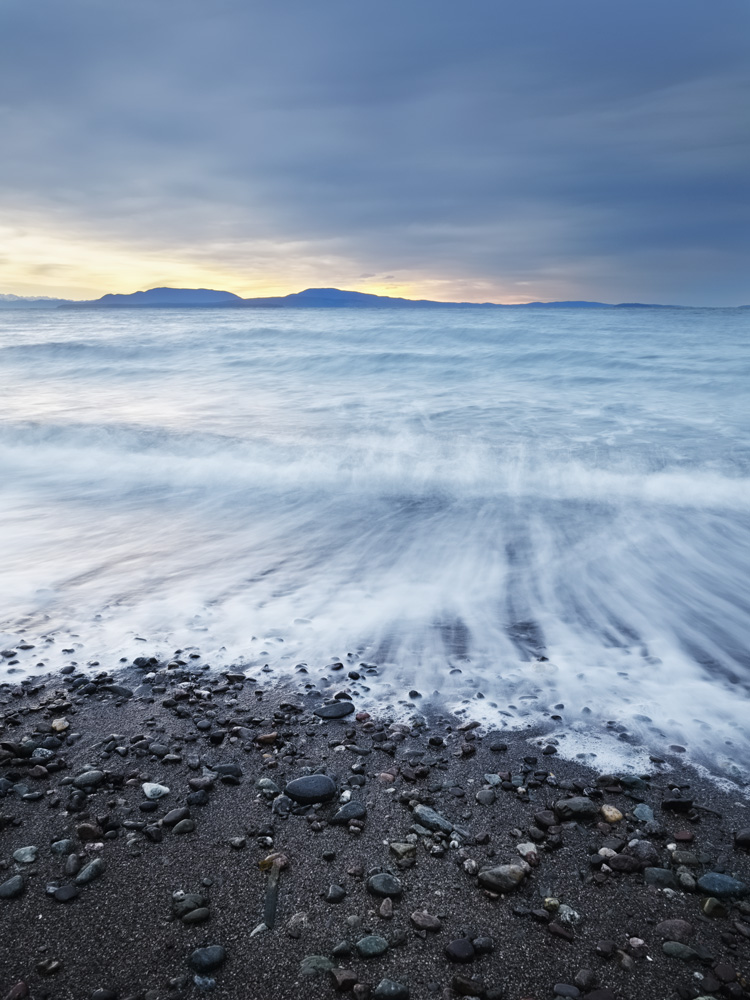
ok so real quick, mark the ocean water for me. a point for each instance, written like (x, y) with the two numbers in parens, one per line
(520, 514)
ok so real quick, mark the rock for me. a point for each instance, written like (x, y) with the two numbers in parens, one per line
(644, 813)
(371, 946)
(209, 958)
(675, 930)
(66, 893)
(198, 916)
(485, 796)
(344, 980)
(662, 878)
(721, 886)
(92, 871)
(504, 878)
(388, 989)
(18, 992)
(611, 815)
(352, 810)
(337, 710)
(565, 990)
(335, 894)
(185, 902)
(424, 921)
(312, 965)
(623, 863)
(464, 986)
(577, 808)
(384, 884)
(742, 839)
(88, 833)
(184, 826)
(25, 855)
(62, 847)
(432, 820)
(174, 816)
(153, 791)
(13, 888)
(89, 780)
(460, 950)
(713, 908)
(677, 950)
(402, 850)
(677, 805)
(311, 788)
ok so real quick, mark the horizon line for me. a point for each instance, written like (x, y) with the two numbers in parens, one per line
(276, 300)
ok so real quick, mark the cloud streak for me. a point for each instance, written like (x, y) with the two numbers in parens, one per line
(494, 151)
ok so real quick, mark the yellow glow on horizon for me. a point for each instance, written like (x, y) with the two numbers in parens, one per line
(37, 260)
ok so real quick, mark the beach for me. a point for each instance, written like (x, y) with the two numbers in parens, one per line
(419, 857)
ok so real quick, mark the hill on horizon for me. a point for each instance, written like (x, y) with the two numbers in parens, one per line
(315, 298)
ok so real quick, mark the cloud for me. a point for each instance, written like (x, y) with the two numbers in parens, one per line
(585, 149)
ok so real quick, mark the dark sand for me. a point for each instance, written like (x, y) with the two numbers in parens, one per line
(120, 934)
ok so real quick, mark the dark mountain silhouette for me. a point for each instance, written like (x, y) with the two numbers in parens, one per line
(310, 298)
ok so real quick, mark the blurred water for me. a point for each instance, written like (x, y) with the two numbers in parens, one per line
(432, 491)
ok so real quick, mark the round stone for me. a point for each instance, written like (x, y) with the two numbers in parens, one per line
(461, 950)
(25, 855)
(372, 946)
(311, 788)
(153, 791)
(13, 888)
(89, 780)
(209, 958)
(388, 989)
(337, 710)
(384, 884)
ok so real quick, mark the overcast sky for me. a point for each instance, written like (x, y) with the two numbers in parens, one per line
(499, 150)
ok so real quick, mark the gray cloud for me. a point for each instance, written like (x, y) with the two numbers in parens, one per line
(593, 149)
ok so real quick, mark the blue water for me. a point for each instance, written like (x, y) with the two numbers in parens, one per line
(450, 495)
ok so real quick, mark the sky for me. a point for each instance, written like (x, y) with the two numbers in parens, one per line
(490, 150)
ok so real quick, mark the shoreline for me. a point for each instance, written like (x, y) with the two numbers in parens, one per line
(558, 912)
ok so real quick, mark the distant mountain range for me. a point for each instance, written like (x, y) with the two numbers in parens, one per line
(310, 298)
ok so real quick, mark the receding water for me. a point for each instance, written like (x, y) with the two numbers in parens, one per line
(432, 491)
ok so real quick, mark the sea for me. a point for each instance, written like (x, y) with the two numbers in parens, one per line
(536, 518)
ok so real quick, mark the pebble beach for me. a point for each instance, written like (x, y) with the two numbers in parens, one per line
(169, 831)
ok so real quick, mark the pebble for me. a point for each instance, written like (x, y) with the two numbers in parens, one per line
(343, 980)
(153, 791)
(565, 990)
(66, 893)
(431, 819)
(675, 949)
(460, 950)
(425, 921)
(742, 839)
(92, 871)
(337, 710)
(352, 810)
(13, 888)
(25, 855)
(577, 808)
(675, 930)
(89, 780)
(371, 946)
(312, 965)
(209, 958)
(611, 815)
(384, 884)
(721, 886)
(662, 878)
(335, 894)
(388, 989)
(311, 788)
(504, 878)
(184, 826)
